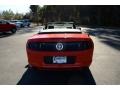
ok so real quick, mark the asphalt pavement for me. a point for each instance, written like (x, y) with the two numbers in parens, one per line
(105, 68)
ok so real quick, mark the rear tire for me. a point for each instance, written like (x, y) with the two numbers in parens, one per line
(13, 30)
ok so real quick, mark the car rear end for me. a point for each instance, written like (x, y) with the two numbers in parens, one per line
(60, 51)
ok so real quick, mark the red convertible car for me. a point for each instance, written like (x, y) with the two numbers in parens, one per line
(60, 48)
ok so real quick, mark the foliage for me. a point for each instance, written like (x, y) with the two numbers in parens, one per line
(101, 15)
(18, 16)
(9, 15)
(34, 13)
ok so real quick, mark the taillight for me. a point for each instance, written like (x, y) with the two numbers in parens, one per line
(83, 45)
(34, 45)
(67, 46)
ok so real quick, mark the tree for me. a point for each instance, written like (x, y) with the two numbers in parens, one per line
(8, 14)
(18, 16)
(34, 11)
(96, 15)
(27, 16)
(1, 16)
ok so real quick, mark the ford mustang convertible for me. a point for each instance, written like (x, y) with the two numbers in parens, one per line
(60, 48)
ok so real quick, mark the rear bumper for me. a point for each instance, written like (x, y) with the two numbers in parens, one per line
(83, 59)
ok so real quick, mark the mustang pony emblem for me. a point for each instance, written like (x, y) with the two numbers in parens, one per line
(59, 46)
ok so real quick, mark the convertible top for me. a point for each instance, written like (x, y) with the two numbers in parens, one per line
(51, 25)
(63, 30)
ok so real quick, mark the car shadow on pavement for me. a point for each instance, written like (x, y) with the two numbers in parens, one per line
(43, 77)
(2, 35)
(25, 30)
(110, 37)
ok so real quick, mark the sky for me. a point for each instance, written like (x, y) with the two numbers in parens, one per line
(22, 6)
(16, 8)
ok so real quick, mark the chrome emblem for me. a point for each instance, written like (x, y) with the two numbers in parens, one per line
(59, 46)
